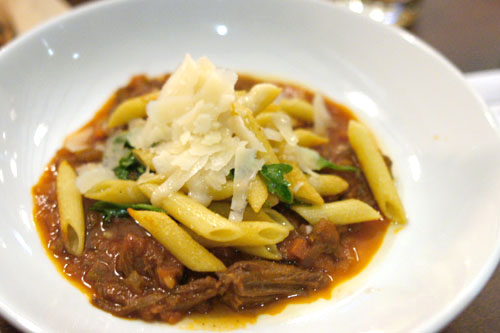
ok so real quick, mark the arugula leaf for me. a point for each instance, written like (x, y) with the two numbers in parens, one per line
(230, 175)
(111, 210)
(324, 163)
(129, 167)
(273, 175)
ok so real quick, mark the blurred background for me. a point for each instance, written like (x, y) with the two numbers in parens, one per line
(467, 32)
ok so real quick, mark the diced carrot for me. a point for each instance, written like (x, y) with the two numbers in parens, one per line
(298, 248)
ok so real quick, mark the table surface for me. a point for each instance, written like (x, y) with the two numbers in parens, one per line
(468, 34)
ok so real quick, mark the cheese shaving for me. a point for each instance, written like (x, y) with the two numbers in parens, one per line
(195, 136)
(322, 118)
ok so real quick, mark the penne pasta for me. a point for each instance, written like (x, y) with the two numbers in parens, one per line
(117, 191)
(328, 184)
(265, 119)
(254, 233)
(177, 241)
(272, 201)
(376, 172)
(301, 188)
(223, 209)
(279, 218)
(70, 207)
(130, 109)
(298, 109)
(270, 252)
(268, 155)
(257, 194)
(195, 216)
(308, 138)
(225, 192)
(338, 212)
(145, 156)
(260, 96)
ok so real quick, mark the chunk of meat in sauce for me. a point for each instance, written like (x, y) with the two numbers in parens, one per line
(307, 246)
(254, 283)
(169, 306)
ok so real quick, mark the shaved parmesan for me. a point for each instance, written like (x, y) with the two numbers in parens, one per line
(322, 118)
(272, 134)
(246, 167)
(196, 138)
(283, 123)
(92, 174)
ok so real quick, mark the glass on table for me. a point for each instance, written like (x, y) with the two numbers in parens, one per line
(398, 12)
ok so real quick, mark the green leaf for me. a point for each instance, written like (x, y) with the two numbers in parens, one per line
(111, 210)
(324, 163)
(274, 177)
(230, 175)
(129, 167)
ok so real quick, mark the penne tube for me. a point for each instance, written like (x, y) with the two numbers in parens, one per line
(308, 138)
(145, 156)
(70, 207)
(195, 216)
(257, 194)
(130, 109)
(182, 246)
(298, 109)
(328, 184)
(223, 209)
(266, 119)
(339, 212)
(225, 192)
(301, 188)
(272, 201)
(376, 172)
(117, 191)
(255, 233)
(260, 96)
(268, 155)
(279, 218)
(269, 252)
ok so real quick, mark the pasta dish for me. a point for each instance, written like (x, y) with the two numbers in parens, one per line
(204, 188)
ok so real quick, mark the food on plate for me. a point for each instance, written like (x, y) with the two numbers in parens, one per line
(202, 189)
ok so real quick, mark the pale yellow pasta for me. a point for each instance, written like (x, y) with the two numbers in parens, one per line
(117, 191)
(268, 155)
(308, 138)
(339, 212)
(255, 233)
(225, 192)
(272, 200)
(266, 119)
(301, 188)
(177, 241)
(145, 156)
(269, 252)
(260, 96)
(279, 218)
(195, 216)
(376, 172)
(130, 109)
(223, 209)
(257, 194)
(70, 206)
(271, 108)
(328, 184)
(298, 108)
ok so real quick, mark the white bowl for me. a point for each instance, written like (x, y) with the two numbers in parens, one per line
(445, 149)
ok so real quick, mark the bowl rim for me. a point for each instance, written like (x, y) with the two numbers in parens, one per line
(435, 322)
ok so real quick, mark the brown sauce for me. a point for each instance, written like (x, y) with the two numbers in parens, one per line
(356, 246)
